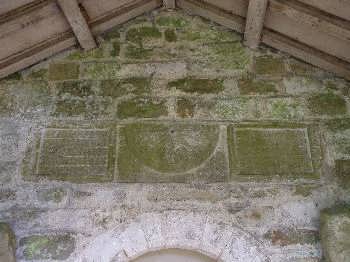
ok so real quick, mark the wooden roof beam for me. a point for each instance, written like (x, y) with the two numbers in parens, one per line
(75, 18)
(169, 4)
(255, 22)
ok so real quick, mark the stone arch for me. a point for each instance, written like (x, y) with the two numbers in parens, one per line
(214, 237)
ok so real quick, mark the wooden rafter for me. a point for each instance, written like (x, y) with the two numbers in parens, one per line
(72, 12)
(255, 22)
(169, 4)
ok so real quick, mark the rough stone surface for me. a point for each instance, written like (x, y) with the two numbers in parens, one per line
(172, 134)
(335, 234)
(7, 244)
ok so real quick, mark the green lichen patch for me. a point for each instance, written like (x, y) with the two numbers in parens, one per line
(272, 151)
(304, 190)
(13, 77)
(142, 108)
(170, 35)
(115, 49)
(90, 54)
(164, 152)
(335, 233)
(172, 21)
(201, 31)
(288, 236)
(55, 195)
(282, 108)
(100, 70)
(195, 85)
(136, 52)
(55, 247)
(120, 87)
(40, 74)
(269, 65)
(328, 104)
(137, 35)
(63, 71)
(336, 125)
(78, 154)
(75, 88)
(185, 108)
(222, 56)
(343, 172)
(69, 108)
(252, 87)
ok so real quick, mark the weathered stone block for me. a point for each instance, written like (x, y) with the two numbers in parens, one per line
(142, 108)
(164, 152)
(291, 236)
(269, 151)
(282, 108)
(73, 153)
(269, 65)
(64, 71)
(7, 244)
(328, 104)
(25, 99)
(197, 85)
(253, 87)
(100, 70)
(335, 234)
(50, 247)
(185, 108)
(343, 172)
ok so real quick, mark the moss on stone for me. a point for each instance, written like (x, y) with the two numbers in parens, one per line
(270, 152)
(170, 35)
(6, 230)
(64, 71)
(13, 77)
(343, 172)
(136, 35)
(281, 109)
(172, 21)
(40, 74)
(81, 54)
(172, 149)
(269, 65)
(301, 68)
(335, 233)
(252, 87)
(120, 87)
(55, 247)
(135, 52)
(75, 88)
(327, 104)
(69, 108)
(185, 108)
(115, 49)
(100, 70)
(142, 108)
(196, 85)
(229, 55)
(338, 124)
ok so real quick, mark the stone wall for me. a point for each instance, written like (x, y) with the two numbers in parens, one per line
(171, 124)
